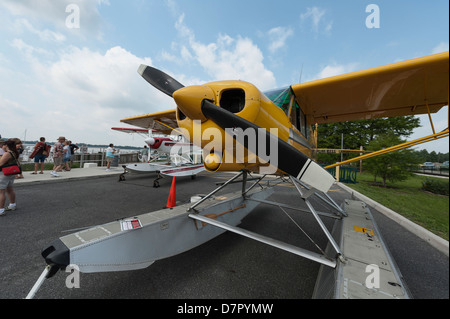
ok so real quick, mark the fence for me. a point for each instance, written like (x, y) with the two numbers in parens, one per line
(440, 171)
(98, 158)
(346, 174)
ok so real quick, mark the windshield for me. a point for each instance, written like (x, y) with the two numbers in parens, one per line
(280, 97)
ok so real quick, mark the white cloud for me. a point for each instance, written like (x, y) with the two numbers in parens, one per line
(105, 85)
(336, 69)
(317, 17)
(278, 37)
(166, 56)
(28, 50)
(186, 54)
(227, 58)
(183, 30)
(45, 35)
(81, 95)
(54, 12)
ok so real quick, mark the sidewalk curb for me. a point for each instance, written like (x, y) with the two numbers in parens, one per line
(437, 242)
(77, 174)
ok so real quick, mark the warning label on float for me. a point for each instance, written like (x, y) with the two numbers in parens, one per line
(130, 224)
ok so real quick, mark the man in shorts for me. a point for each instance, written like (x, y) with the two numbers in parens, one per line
(39, 154)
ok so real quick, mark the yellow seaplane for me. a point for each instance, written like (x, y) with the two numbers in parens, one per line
(241, 129)
(413, 87)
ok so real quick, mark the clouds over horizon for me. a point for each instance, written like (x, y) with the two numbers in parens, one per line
(54, 84)
(84, 90)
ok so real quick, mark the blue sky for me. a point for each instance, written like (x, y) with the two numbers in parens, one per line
(79, 82)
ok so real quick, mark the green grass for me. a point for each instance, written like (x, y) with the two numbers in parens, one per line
(408, 199)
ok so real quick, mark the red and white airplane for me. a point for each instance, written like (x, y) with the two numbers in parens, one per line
(182, 157)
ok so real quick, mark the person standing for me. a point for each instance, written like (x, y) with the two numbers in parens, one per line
(67, 155)
(73, 148)
(144, 153)
(109, 156)
(58, 156)
(20, 149)
(40, 153)
(10, 156)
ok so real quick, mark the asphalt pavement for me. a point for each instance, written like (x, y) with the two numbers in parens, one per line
(227, 267)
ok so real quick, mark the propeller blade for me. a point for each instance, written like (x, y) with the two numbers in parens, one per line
(290, 159)
(160, 80)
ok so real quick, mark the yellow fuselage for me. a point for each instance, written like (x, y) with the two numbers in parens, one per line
(245, 101)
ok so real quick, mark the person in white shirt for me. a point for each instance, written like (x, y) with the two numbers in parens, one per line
(144, 153)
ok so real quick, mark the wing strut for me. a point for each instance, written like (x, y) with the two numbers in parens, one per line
(320, 258)
(432, 137)
(319, 221)
(268, 241)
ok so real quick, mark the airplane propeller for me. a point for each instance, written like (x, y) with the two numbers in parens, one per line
(290, 160)
(160, 80)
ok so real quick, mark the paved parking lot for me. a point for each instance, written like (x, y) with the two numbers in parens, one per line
(228, 266)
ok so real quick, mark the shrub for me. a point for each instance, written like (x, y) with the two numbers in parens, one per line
(436, 186)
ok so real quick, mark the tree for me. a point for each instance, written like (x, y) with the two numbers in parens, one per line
(393, 166)
(360, 133)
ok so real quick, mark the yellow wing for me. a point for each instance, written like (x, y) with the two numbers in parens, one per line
(164, 121)
(403, 88)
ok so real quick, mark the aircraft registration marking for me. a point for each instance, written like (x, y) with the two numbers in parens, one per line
(363, 230)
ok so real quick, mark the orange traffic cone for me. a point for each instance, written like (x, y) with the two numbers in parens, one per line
(171, 201)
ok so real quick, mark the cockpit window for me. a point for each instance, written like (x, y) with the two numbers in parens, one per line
(280, 97)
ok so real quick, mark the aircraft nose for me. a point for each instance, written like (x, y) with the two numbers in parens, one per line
(150, 141)
(189, 100)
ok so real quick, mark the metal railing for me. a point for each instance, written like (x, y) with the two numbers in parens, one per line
(441, 171)
(81, 158)
(100, 158)
(345, 174)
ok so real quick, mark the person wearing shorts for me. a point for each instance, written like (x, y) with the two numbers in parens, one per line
(39, 156)
(10, 156)
(109, 156)
(58, 156)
